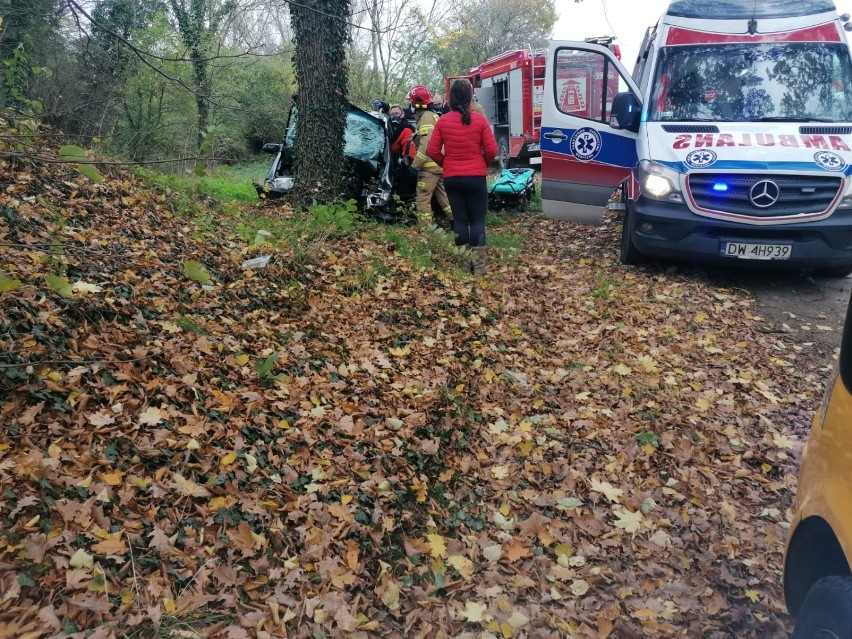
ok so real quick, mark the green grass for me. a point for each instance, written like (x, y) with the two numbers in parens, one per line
(417, 252)
(508, 245)
(224, 184)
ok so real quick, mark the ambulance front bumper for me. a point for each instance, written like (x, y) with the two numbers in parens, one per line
(669, 230)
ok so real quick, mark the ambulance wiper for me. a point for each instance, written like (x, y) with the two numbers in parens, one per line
(787, 118)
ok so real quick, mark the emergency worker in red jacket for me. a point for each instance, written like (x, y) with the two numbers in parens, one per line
(463, 145)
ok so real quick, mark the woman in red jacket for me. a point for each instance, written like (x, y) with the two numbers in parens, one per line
(464, 146)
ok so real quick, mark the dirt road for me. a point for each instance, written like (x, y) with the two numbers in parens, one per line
(809, 310)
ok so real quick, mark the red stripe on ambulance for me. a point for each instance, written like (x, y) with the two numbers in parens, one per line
(823, 33)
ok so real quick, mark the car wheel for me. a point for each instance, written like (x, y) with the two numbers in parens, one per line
(503, 156)
(835, 271)
(630, 255)
(827, 610)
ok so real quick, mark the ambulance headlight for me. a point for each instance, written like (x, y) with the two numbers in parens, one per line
(658, 186)
(659, 182)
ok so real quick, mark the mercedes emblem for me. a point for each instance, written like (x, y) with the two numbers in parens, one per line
(764, 194)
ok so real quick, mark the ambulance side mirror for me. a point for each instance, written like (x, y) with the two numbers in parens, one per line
(626, 112)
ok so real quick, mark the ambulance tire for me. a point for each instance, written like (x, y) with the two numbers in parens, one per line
(630, 255)
(826, 611)
(503, 151)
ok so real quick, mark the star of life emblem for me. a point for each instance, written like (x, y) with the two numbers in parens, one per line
(586, 144)
(830, 161)
(700, 159)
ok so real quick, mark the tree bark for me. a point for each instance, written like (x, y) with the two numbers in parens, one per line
(320, 30)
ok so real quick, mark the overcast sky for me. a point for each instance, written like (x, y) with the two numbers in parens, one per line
(628, 19)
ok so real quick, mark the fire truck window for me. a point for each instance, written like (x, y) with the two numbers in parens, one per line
(585, 84)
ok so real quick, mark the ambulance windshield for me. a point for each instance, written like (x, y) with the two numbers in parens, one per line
(749, 82)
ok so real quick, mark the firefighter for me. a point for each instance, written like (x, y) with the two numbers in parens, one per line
(429, 178)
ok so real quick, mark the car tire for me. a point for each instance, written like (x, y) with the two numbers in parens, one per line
(630, 255)
(834, 271)
(503, 150)
(827, 610)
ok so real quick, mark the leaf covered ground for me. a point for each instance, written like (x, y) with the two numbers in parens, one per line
(346, 444)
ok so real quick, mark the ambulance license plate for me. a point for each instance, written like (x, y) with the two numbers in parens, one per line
(744, 251)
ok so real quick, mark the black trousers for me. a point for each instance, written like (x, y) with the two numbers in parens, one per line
(468, 197)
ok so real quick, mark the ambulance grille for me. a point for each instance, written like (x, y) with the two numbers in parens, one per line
(799, 194)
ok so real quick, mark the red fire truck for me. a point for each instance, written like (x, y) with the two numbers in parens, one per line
(510, 88)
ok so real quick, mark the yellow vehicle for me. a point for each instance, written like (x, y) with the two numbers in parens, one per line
(817, 578)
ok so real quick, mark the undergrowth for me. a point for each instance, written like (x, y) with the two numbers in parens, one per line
(222, 197)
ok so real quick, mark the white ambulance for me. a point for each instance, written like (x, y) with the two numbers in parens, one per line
(731, 141)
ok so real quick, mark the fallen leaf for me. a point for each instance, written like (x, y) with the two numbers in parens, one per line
(151, 416)
(189, 488)
(629, 521)
(437, 546)
(81, 559)
(609, 491)
(474, 612)
(463, 565)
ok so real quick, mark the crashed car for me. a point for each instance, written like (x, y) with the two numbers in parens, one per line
(375, 179)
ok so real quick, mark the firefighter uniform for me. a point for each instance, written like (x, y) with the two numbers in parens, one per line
(429, 174)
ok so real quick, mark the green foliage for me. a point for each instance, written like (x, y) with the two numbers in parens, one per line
(603, 289)
(339, 218)
(76, 154)
(15, 73)
(7, 284)
(198, 23)
(59, 284)
(264, 369)
(262, 88)
(196, 272)
(647, 437)
(186, 324)
(478, 31)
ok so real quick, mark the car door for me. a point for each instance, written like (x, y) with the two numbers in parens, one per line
(583, 158)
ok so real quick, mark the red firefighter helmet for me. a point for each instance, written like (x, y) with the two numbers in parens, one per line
(419, 96)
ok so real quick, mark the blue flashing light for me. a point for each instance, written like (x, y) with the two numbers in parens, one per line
(720, 186)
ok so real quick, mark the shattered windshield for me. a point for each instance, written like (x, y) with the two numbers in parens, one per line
(364, 136)
(749, 82)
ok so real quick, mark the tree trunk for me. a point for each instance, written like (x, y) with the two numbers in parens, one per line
(320, 30)
(202, 83)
